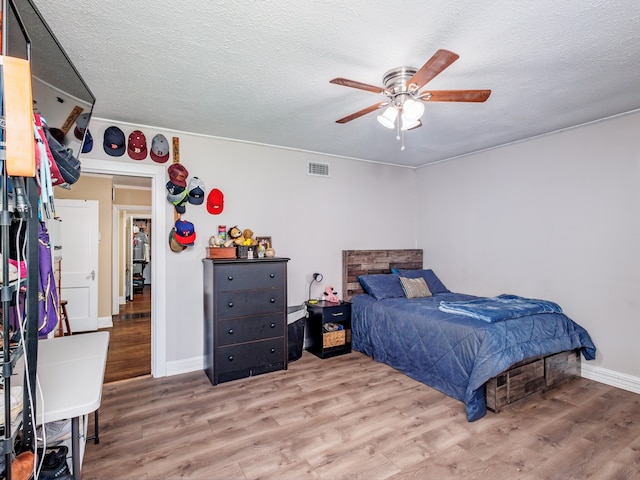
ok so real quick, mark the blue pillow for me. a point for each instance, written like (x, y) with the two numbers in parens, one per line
(433, 282)
(382, 285)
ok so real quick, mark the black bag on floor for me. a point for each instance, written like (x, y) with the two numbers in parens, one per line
(54, 465)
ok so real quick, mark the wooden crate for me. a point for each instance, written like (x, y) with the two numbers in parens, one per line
(520, 381)
(531, 376)
(561, 367)
(221, 252)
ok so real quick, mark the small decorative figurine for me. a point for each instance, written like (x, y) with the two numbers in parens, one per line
(330, 295)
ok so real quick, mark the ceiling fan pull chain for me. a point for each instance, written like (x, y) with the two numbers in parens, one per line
(402, 145)
(398, 127)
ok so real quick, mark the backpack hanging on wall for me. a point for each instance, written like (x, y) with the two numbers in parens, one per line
(68, 165)
(43, 152)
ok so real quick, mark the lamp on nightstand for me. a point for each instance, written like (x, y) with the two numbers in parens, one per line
(317, 277)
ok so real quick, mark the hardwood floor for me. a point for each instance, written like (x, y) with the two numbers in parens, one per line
(349, 417)
(130, 340)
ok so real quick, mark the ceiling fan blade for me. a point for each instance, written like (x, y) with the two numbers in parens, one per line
(353, 84)
(456, 95)
(436, 64)
(362, 112)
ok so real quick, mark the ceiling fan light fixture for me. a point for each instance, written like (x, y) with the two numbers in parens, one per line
(412, 110)
(388, 118)
(408, 124)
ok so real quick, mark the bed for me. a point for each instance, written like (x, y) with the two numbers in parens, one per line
(477, 361)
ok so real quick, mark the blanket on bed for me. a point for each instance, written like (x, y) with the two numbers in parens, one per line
(454, 353)
(500, 308)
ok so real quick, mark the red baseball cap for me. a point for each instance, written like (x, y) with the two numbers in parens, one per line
(215, 202)
(137, 146)
(185, 233)
(178, 174)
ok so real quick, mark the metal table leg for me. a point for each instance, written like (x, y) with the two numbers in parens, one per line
(75, 447)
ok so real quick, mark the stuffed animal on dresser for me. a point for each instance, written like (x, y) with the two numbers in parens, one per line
(330, 295)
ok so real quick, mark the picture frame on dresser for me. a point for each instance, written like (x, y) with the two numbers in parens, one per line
(264, 241)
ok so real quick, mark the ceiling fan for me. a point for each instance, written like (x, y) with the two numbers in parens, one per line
(405, 99)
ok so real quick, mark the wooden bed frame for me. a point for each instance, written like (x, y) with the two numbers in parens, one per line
(366, 262)
(531, 376)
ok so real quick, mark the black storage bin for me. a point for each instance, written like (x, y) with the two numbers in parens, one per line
(295, 330)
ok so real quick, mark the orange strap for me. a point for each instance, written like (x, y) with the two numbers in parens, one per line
(18, 113)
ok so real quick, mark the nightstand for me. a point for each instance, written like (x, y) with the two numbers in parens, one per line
(328, 344)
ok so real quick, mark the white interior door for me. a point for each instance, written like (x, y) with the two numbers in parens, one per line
(79, 237)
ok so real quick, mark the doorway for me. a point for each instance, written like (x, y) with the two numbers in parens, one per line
(156, 173)
(131, 322)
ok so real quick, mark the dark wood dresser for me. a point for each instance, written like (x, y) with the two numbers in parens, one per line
(245, 317)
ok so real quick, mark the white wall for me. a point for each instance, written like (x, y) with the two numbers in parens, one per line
(556, 217)
(310, 219)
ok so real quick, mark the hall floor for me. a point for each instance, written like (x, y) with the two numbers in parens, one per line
(130, 343)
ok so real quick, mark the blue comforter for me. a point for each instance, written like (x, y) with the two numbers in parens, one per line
(452, 353)
(500, 308)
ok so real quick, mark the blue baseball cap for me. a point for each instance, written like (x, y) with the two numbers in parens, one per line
(185, 233)
(114, 142)
(87, 144)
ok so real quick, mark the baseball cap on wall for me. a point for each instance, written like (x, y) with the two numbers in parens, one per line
(159, 149)
(57, 134)
(137, 145)
(185, 233)
(174, 189)
(114, 143)
(215, 202)
(87, 144)
(81, 125)
(173, 243)
(177, 198)
(178, 174)
(180, 204)
(196, 191)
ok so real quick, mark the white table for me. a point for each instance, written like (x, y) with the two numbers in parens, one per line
(71, 373)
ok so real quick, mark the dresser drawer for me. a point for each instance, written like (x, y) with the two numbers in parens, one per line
(249, 355)
(250, 276)
(253, 302)
(248, 329)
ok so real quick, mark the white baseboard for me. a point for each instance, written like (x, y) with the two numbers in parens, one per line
(105, 322)
(185, 366)
(122, 300)
(610, 377)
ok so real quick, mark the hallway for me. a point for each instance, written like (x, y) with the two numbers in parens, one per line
(130, 343)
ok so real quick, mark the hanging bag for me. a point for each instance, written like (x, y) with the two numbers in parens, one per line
(48, 304)
(42, 145)
(68, 165)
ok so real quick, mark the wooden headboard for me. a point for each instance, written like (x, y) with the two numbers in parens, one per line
(365, 262)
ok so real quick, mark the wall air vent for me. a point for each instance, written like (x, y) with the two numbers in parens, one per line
(318, 169)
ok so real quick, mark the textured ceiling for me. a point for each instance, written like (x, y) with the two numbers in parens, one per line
(259, 70)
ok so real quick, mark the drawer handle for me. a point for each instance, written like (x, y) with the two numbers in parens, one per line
(230, 304)
(231, 331)
(337, 314)
(230, 278)
(273, 300)
(272, 275)
(230, 358)
(273, 325)
(273, 350)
